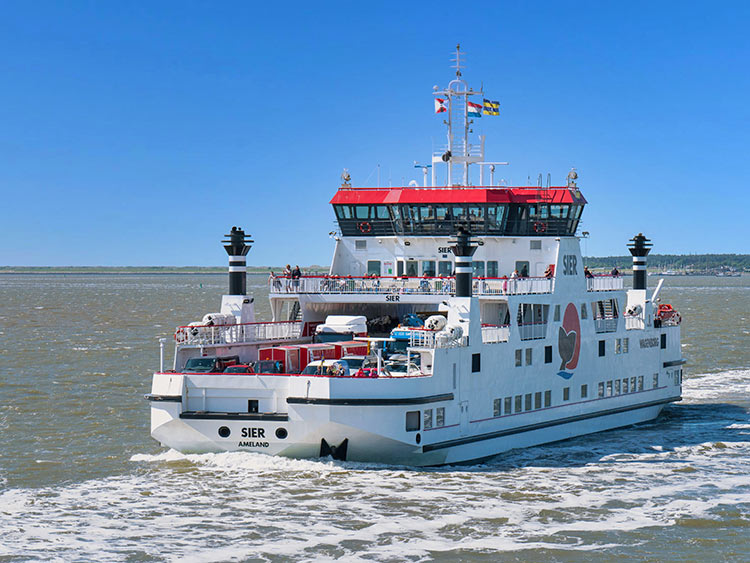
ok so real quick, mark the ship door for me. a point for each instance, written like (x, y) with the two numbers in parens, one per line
(464, 407)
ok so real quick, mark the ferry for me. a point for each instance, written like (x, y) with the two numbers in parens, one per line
(456, 322)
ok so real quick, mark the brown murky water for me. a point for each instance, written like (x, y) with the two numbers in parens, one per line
(80, 478)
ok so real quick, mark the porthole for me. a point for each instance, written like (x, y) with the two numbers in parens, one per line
(224, 431)
(281, 433)
(419, 438)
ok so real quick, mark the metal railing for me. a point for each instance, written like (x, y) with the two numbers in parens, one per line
(532, 331)
(605, 325)
(604, 283)
(430, 339)
(332, 285)
(634, 322)
(201, 334)
(492, 334)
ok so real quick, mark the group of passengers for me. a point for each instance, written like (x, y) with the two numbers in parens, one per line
(291, 276)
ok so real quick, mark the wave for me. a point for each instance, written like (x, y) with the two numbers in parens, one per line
(603, 493)
(732, 384)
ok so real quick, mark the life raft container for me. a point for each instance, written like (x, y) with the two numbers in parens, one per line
(667, 314)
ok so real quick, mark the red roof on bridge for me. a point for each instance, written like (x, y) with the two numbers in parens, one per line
(456, 195)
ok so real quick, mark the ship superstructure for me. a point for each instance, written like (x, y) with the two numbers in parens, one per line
(470, 327)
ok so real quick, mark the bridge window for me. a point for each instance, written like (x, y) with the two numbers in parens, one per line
(343, 211)
(540, 211)
(373, 267)
(362, 211)
(495, 216)
(476, 218)
(558, 211)
(445, 268)
(458, 213)
(381, 212)
(478, 269)
(428, 268)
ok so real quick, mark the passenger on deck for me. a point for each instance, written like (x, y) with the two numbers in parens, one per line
(296, 275)
(274, 280)
(615, 272)
(287, 273)
(424, 284)
(587, 272)
(548, 273)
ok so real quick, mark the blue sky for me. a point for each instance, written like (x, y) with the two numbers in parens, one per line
(138, 133)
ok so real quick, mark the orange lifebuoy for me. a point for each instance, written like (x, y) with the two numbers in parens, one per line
(364, 227)
(540, 227)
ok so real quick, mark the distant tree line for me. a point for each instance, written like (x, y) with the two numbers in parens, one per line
(675, 262)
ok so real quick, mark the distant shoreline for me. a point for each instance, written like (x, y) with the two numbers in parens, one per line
(143, 270)
(680, 264)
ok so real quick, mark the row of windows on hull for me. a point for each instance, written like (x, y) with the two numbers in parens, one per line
(440, 219)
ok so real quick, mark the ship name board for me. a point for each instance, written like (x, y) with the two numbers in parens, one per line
(444, 250)
(393, 298)
(570, 262)
(253, 432)
(649, 342)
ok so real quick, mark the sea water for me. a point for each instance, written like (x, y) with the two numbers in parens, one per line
(81, 479)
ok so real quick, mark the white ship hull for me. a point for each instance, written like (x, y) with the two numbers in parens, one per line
(297, 415)
(521, 344)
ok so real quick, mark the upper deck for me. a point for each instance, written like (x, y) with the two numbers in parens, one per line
(439, 211)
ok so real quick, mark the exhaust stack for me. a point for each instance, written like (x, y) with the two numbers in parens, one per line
(463, 248)
(237, 246)
(639, 247)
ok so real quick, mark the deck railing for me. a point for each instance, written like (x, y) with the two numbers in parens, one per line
(495, 333)
(634, 322)
(532, 331)
(332, 285)
(431, 339)
(205, 335)
(604, 283)
(605, 325)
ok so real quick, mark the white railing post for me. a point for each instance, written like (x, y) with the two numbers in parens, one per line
(161, 353)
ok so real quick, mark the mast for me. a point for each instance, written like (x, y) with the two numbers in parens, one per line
(459, 153)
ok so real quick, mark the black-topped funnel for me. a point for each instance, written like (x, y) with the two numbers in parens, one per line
(237, 245)
(639, 246)
(463, 248)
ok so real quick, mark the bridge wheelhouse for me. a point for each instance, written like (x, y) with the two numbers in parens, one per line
(440, 211)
